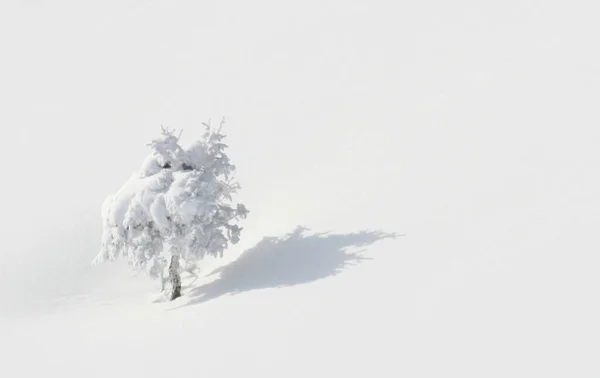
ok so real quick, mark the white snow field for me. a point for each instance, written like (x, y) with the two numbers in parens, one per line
(422, 180)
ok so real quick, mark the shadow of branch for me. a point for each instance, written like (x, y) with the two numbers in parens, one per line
(290, 260)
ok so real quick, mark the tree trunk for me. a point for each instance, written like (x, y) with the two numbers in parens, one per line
(174, 277)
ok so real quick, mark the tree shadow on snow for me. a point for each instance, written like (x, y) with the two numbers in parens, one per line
(293, 259)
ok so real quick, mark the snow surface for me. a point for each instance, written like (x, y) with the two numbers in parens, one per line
(468, 129)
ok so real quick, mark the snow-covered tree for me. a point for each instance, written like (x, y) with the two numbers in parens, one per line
(176, 210)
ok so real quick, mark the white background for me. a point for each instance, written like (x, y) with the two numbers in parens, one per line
(469, 127)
